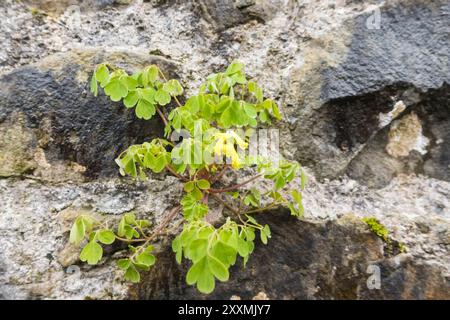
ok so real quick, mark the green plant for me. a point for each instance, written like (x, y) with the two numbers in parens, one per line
(200, 161)
(376, 227)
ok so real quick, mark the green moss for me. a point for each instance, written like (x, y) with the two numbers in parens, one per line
(402, 247)
(376, 227)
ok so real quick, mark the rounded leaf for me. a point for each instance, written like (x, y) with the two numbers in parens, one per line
(106, 236)
(218, 269)
(91, 253)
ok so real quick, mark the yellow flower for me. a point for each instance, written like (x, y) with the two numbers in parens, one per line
(225, 146)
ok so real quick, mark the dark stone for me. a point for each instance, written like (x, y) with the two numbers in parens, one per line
(88, 130)
(406, 59)
(411, 46)
(303, 260)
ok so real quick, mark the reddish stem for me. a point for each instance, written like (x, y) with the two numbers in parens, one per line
(237, 186)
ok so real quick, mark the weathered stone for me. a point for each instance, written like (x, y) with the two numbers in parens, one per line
(341, 83)
(57, 125)
(316, 261)
(396, 60)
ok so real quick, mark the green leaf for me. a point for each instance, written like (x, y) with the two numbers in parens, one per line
(148, 94)
(263, 237)
(146, 259)
(124, 264)
(304, 179)
(102, 75)
(106, 236)
(280, 182)
(203, 184)
(145, 110)
(162, 97)
(189, 186)
(94, 85)
(152, 73)
(250, 110)
(129, 82)
(116, 90)
(297, 196)
(196, 271)
(91, 253)
(242, 248)
(78, 231)
(265, 233)
(131, 99)
(173, 87)
(234, 67)
(206, 283)
(218, 269)
(132, 275)
(197, 249)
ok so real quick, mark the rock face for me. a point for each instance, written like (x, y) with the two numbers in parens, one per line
(49, 117)
(364, 88)
(316, 261)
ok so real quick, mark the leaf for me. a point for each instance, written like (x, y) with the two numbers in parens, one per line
(197, 249)
(148, 94)
(77, 232)
(234, 67)
(196, 271)
(102, 75)
(145, 110)
(131, 99)
(189, 186)
(129, 82)
(280, 182)
(116, 90)
(297, 196)
(152, 73)
(206, 283)
(304, 179)
(94, 85)
(173, 87)
(146, 259)
(91, 253)
(203, 184)
(242, 248)
(263, 237)
(200, 273)
(106, 236)
(250, 110)
(123, 264)
(162, 97)
(132, 275)
(265, 233)
(218, 269)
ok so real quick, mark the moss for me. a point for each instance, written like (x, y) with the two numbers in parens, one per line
(376, 227)
(402, 247)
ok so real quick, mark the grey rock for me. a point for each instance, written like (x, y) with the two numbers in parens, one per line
(334, 79)
(405, 59)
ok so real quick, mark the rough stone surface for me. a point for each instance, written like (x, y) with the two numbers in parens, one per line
(317, 261)
(347, 74)
(49, 108)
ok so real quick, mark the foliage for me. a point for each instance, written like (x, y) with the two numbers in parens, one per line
(376, 227)
(216, 125)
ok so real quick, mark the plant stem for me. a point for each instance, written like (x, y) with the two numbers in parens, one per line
(230, 207)
(165, 79)
(270, 206)
(170, 169)
(162, 116)
(237, 186)
(220, 174)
